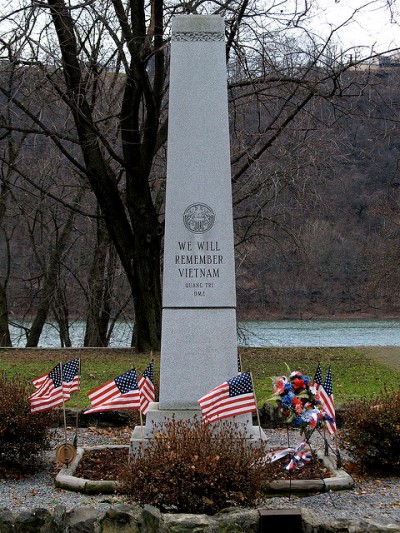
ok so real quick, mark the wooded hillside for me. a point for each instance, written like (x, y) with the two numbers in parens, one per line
(329, 242)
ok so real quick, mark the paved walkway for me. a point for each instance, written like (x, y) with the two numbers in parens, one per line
(387, 355)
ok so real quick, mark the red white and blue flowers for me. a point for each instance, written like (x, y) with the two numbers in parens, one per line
(299, 402)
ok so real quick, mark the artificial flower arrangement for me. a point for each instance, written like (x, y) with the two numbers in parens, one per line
(299, 402)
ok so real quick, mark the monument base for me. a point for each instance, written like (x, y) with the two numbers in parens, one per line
(156, 418)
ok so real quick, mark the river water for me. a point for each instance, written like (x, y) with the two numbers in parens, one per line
(329, 333)
(273, 333)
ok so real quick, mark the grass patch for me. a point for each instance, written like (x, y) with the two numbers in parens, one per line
(355, 375)
(98, 365)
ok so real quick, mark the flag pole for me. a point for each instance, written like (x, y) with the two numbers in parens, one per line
(141, 423)
(240, 367)
(258, 414)
(140, 411)
(77, 412)
(326, 442)
(63, 403)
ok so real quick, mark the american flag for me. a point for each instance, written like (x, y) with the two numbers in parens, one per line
(116, 394)
(318, 376)
(38, 382)
(70, 375)
(325, 391)
(146, 388)
(231, 398)
(51, 393)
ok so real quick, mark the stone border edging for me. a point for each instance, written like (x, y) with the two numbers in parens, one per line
(340, 479)
(148, 519)
(65, 479)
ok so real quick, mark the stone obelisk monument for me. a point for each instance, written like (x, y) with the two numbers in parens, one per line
(199, 342)
(199, 339)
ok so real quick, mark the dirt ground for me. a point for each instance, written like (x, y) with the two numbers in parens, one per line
(387, 355)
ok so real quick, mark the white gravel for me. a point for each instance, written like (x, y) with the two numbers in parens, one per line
(377, 499)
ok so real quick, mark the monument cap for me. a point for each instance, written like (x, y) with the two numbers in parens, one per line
(198, 23)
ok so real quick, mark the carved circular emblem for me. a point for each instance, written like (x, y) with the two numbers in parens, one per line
(198, 218)
(65, 454)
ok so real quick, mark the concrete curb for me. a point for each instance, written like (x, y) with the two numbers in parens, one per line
(66, 479)
(340, 480)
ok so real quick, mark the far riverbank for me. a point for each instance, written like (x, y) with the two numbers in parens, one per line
(256, 314)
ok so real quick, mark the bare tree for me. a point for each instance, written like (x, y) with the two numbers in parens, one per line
(103, 66)
(5, 338)
(50, 281)
(11, 145)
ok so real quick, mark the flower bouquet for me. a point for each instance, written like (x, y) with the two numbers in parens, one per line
(299, 402)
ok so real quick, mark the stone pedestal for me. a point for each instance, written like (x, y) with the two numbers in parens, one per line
(156, 418)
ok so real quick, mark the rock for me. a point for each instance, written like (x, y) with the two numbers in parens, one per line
(310, 521)
(131, 519)
(60, 517)
(84, 520)
(382, 526)
(6, 521)
(137, 519)
(312, 524)
(151, 519)
(238, 520)
(121, 519)
(36, 520)
(185, 523)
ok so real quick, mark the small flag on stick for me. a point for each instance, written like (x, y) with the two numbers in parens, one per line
(70, 376)
(51, 393)
(326, 393)
(146, 388)
(325, 390)
(116, 394)
(231, 398)
(318, 375)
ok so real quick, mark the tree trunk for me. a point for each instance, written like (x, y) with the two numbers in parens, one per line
(5, 338)
(61, 314)
(98, 313)
(148, 299)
